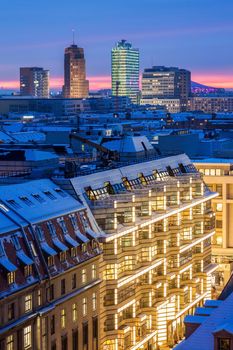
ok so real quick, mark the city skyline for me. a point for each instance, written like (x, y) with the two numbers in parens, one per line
(194, 36)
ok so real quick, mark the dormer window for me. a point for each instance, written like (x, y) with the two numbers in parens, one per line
(224, 343)
(16, 243)
(40, 233)
(60, 192)
(11, 278)
(38, 198)
(26, 201)
(50, 195)
(14, 204)
(74, 221)
(62, 256)
(63, 225)
(51, 228)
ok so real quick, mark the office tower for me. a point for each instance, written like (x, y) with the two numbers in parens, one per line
(156, 223)
(75, 83)
(166, 83)
(34, 81)
(125, 71)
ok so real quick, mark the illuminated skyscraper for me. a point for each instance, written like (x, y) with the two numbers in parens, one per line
(34, 82)
(166, 83)
(125, 70)
(75, 83)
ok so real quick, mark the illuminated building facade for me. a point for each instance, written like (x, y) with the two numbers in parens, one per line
(125, 71)
(156, 223)
(34, 82)
(75, 83)
(218, 175)
(166, 83)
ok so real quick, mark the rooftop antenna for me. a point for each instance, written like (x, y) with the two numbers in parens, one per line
(73, 33)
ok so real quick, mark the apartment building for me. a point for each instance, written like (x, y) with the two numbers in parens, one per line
(218, 175)
(49, 270)
(156, 223)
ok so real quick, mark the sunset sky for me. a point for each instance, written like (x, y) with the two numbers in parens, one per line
(192, 34)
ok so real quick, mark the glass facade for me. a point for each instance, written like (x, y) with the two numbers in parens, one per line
(125, 71)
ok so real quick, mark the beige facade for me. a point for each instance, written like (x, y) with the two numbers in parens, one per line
(157, 223)
(218, 175)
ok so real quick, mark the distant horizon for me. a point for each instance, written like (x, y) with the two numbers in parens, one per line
(194, 35)
(104, 82)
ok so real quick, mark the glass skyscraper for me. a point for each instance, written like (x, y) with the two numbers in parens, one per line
(125, 70)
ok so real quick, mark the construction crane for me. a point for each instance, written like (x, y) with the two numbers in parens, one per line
(106, 155)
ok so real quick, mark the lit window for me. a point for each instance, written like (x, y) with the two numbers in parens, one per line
(219, 207)
(63, 318)
(10, 342)
(39, 297)
(74, 312)
(212, 172)
(84, 276)
(10, 278)
(27, 270)
(84, 306)
(28, 303)
(219, 240)
(62, 256)
(93, 272)
(50, 261)
(27, 337)
(94, 301)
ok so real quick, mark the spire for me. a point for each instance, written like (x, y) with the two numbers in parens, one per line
(73, 34)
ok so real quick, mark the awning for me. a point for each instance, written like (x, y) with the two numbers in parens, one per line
(47, 249)
(80, 236)
(24, 258)
(92, 233)
(61, 246)
(5, 262)
(71, 241)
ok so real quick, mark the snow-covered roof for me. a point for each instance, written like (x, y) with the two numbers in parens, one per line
(130, 144)
(115, 176)
(220, 319)
(38, 200)
(36, 155)
(29, 136)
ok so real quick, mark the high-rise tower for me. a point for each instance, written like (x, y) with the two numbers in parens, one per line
(75, 83)
(34, 82)
(125, 70)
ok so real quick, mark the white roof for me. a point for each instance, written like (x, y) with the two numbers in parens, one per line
(21, 198)
(202, 338)
(36, 155)
(115, 176)
(129, 144)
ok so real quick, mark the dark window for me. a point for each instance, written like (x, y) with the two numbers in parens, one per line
(75, 340)
(11, 311)
(52, 325)
(63, 286)
(2, 344)
(51, 292)
(64, 342)
(95, 333)
(85, 336)
(53, 346)
(224, 344)
(74, 281)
